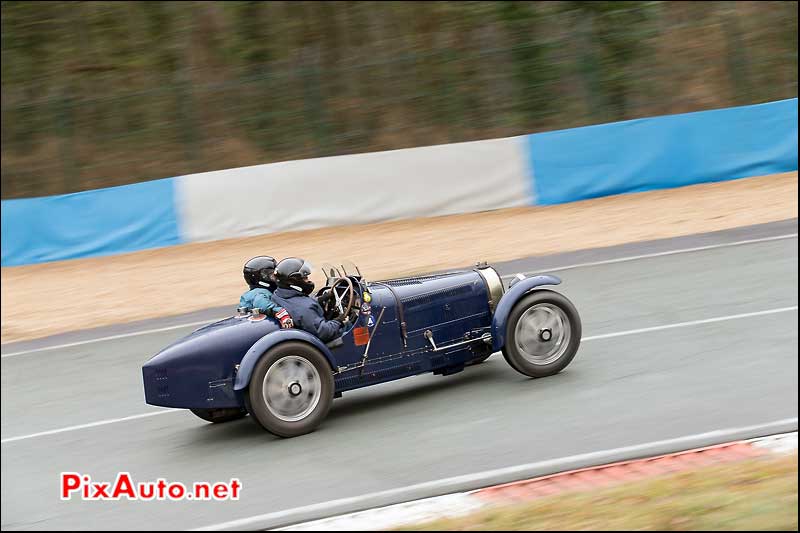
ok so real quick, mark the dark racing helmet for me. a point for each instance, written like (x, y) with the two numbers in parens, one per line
(292, 273)
(258, 272)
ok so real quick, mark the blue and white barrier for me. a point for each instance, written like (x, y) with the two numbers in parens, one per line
(539, 169)
(664, 152)
(354, 189)
(91, 223)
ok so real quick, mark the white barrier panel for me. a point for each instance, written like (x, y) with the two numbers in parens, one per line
(354, 189)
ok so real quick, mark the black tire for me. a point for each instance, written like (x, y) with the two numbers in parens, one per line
(551, 303)
(300, 358)
(217, 416)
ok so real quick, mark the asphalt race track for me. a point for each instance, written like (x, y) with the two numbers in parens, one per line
(623, 390)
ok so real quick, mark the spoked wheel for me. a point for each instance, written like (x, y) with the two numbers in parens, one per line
(217, 416)
(291, 389)
(543, 334)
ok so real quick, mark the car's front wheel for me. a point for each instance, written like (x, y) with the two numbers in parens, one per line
(291, 389)
(543, 334)
(217, 416)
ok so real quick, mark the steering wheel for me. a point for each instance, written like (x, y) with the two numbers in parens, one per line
(340, 301)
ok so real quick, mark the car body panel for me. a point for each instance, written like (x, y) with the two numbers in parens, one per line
(212, 366)
(266, 342)
(509, 299)
(198, 370)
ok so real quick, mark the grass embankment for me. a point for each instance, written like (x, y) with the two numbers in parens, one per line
(759, 494)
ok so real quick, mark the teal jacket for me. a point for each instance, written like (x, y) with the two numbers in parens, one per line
(261, 298)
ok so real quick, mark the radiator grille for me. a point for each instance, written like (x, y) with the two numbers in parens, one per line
(436, 296)
(162, 383)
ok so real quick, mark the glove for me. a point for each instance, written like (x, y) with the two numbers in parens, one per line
(242, 310)
(324, 298)
(285, 319)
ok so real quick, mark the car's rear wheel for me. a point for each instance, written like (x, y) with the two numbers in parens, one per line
(543, 334)
(291, 389)
(217, 416)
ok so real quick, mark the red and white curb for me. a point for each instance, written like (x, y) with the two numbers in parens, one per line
(464, 503)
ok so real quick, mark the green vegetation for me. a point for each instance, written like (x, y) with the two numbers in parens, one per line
(752, 495)
(105, 93)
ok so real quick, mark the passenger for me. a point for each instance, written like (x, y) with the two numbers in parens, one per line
(259, 276)
(293, 292)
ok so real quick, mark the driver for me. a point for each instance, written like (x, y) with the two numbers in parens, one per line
(293, 292)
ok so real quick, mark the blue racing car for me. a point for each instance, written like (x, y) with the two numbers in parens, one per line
(287, 379)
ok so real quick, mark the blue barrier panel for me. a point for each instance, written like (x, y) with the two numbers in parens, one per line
(90, 223)
(663, 152)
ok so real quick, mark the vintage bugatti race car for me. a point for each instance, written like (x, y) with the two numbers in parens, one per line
(286, 379)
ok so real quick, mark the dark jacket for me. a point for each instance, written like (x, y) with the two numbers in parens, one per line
(307, 314)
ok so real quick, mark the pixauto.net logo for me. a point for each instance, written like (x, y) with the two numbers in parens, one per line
(82, 487)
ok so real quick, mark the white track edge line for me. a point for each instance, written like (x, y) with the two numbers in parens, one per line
(89, 425)
(488, 474)
(110, 338)
(659, 254)
(690, 323)
(556, 269)
(583, 339)
(462, 503)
